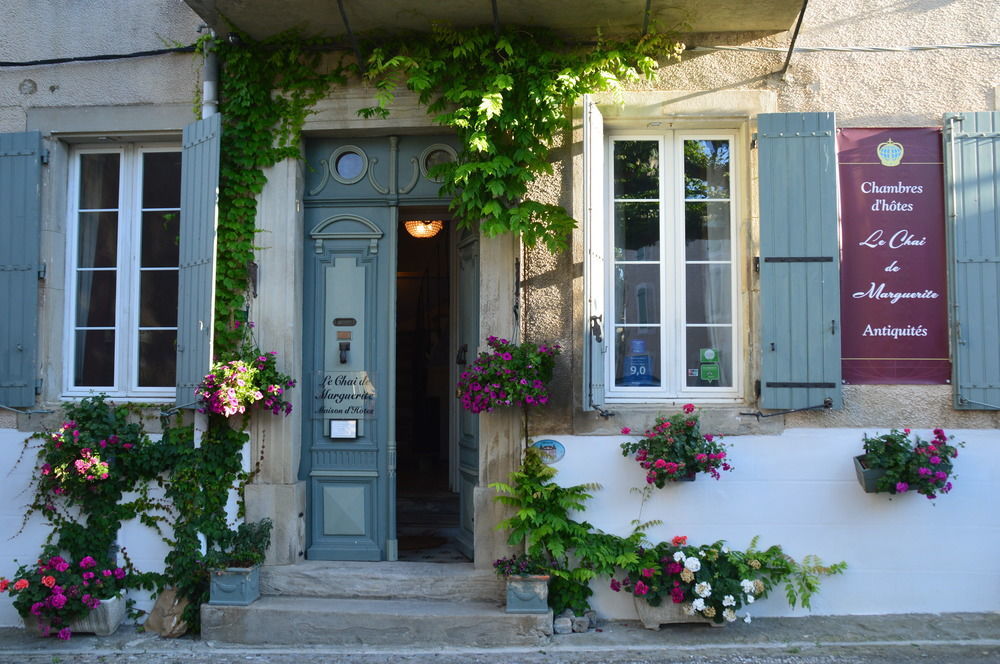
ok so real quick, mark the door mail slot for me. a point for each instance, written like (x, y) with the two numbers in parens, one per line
(345, 322)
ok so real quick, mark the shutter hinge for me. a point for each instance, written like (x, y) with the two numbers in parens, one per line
(44, 157)
(753, 141)
(41, 270)
(756, 388)
(756, 264)
(595, 328)
(38, 387)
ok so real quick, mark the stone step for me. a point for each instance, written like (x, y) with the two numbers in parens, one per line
(287, 620)
(454, 582)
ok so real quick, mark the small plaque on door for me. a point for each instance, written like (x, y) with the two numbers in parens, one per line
(343, 428)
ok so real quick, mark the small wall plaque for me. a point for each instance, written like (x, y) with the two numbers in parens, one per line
(343, 428)
(552, 450)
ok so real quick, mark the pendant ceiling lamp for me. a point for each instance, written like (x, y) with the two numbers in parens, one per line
(423, 228)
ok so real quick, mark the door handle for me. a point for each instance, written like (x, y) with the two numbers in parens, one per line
(460, 357)
(344, 347)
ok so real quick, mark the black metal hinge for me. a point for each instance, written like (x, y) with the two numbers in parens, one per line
(44, 157)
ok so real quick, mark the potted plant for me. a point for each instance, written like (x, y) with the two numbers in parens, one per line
(234, 563)
(251, 379)
(894, 464)
(508, 374)
(59, 596)
(678, 582)
(527, 583)
(675, 449)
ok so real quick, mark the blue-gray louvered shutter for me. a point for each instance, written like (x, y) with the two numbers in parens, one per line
(799, 261)
(196, 289)
(20, 224)
(972, 183)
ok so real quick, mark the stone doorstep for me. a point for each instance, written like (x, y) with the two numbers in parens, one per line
(454, 582)
(284, 620)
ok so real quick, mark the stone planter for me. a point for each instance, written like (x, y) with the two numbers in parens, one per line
(235, 586)
(867, 477)
(666, 613)
(528, 594)
(103, 620)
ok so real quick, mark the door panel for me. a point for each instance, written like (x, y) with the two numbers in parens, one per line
(467, 424)
(347, 322)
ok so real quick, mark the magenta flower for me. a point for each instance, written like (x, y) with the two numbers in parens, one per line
(640, 588)
(902, 487)
(935, 460)
(688, 408)
(64, 634)
(647, 572)
(87, 563)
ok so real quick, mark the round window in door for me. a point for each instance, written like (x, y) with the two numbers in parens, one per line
(435, 155)
(348, 164)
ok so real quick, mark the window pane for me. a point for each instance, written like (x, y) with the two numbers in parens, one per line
(97, 239)
(637, 294)
(157, 358)
(637, 356)
(706, 231)
(161, 180)
(706, 169)
(95, 298)
(160, 239)
(99, 181)
(709, 293)
(637, 231)
(158, 299)
(637, 169)
(709, 357)
(95, 358)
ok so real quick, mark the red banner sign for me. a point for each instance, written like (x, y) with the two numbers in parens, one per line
(894, 279)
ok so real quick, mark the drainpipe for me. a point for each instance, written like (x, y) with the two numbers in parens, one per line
(210, 77)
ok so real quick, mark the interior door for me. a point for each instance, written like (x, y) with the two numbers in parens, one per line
(465, 424)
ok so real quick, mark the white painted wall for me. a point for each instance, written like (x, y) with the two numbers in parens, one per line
(798, 489)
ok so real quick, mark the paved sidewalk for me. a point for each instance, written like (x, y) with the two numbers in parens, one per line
(956, 637)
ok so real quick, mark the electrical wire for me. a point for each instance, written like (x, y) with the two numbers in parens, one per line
(90, 58)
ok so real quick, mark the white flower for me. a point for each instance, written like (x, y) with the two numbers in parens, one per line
(692, 564)
(746, 585)
(729, 615)
(688, 610)
(703, 589)
(750, 599)
(698, 604)
(728, 600)
(678, 556)
(725, 549)
(746, 618)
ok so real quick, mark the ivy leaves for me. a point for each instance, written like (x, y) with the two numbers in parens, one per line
(508, 97)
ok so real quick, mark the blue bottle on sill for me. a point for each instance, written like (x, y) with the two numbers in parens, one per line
(638, 367)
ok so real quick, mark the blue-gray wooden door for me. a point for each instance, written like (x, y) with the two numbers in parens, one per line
(353, 191)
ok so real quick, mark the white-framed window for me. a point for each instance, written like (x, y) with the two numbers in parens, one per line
(122, 270)
(670, 251)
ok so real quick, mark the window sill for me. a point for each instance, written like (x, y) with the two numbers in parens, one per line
(718, 417)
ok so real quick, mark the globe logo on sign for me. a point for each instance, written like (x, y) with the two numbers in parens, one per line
(889, 153)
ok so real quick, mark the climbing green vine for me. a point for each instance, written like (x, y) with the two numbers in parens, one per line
(508, 96)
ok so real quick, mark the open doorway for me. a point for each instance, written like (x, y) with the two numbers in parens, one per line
(427, 506)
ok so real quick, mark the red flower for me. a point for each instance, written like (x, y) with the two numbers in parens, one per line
(20, 584)
(688, 408)
(48, 581)
(679, 540)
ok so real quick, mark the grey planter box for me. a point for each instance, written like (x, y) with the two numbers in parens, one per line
(667, 613)
(528, 594)
(867, 477)
(103, 620)
(235, 586)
